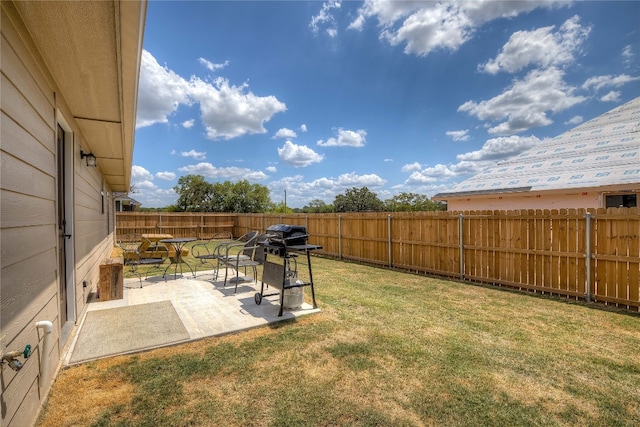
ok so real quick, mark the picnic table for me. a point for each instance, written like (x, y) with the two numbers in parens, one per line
(156, 239)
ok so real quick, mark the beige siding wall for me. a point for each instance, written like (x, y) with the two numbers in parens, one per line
(29, 282)
(574, 200)
(580, 198)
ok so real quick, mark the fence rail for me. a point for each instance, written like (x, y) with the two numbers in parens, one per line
(592, 254)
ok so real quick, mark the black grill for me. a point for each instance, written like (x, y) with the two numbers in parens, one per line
(279, 236)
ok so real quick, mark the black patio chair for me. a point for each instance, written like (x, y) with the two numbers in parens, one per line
(207, 252)
(246, 257)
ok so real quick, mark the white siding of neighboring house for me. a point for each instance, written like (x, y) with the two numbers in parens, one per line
(31, 108)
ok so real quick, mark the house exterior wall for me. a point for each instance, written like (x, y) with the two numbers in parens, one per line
(585, 198)
(31, 109)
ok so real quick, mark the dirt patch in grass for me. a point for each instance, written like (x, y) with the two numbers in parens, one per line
(80, 395)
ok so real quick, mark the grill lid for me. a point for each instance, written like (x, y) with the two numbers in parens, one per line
(285, 229)
(284, 234)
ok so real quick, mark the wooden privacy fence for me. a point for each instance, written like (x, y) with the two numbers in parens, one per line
(592, 254)
(180, 224)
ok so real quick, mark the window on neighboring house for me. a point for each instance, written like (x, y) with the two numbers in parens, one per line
(621, 200)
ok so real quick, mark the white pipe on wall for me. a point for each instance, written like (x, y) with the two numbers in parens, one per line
(47, 327)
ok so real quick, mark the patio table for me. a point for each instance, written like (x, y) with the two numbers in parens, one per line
(178, 243)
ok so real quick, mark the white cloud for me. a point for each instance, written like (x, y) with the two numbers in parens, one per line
(354, 180)
(285, 133)
(188, 124)
(599, 82)
(627, 56)
(271, 169)
(540, 47)
(388, 160)
(419, 178)
(613, 96)
(458, 135)
(152, 196)
(227, 111)
(146, 191)
(469, 164)
(431, 175)
(300, 192)
(465, 167)
(138, 173)
(574, 120)
(160, 92)
(411, 167)
(167, 176)
(211, 66)
(146, 185)
(346, 138)
(233, 173)
(500, 148)
(298, 155)
(525, 104)
(325, 18)
(303, 127)
(196, 155)
(387, 12)
(427, 26)
(425, 179)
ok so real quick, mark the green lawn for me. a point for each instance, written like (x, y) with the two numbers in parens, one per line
(388, 348)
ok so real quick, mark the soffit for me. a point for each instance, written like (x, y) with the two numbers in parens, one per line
(92, 50)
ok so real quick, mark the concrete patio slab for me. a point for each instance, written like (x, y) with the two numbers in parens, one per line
(205, 307)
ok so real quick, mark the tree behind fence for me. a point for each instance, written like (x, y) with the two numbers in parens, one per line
(591, 254)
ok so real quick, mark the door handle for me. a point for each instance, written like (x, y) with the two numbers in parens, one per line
(66, 236)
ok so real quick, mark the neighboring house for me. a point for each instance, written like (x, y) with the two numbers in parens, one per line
(69, 86)
(126, 204)
(594, 165)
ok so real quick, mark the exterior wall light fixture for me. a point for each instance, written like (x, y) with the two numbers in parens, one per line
(91, 159)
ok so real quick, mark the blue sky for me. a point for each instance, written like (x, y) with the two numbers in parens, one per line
(318, 97)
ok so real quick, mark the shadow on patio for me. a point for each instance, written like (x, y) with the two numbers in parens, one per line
(163, 313)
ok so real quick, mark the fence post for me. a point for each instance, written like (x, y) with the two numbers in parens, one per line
(587, 255)
(339, 237)
(160, 221)
(246, 223)
(389, 238)
(461, 228)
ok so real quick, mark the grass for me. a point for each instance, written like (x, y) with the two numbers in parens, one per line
(388, 348)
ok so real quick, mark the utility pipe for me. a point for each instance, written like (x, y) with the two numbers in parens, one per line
(47, 327)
